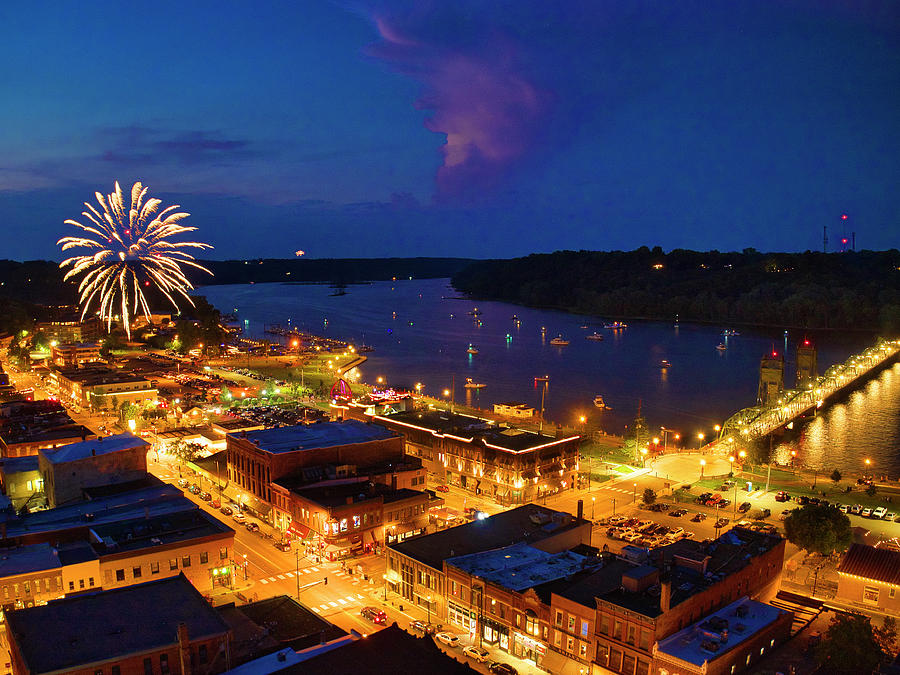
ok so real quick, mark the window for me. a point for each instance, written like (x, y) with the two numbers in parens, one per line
(202, 653)
(617, 629)
(531, 624)
(645, 640)
(154, 568)
(71, 585)
(91, 582)
(570, 644)
(148, 666)
(628, 664)
(643, 668)
(185, 561)
(343, 525)
(116, 670)
(164, 663)
(204, 558)
(173, 563)
(120, 575)
(98, 672)
(870, 595)
(557, 638)
(81, 584)
(582, 649)
(559, 618)
(137, 571)
(604, 625)
(223, 553)
(571, 624)
(584, 628)
(891, 592)
(632, 630)
(356, 522)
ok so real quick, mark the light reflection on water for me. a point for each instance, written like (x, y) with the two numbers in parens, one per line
(866, 424)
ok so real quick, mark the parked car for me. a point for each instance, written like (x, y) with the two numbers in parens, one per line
(879, 513)
(442, 488)
(890, 516)
(422, 627)
(205, 496)
(676, 532)
(226, 510)
(239, 517)
(845, 508)
(448, 639)
(782, 496)
(614, 520)
(698, 517)
(866, 512)
(252, 526)
(283, 546)
(856, 509)
(721, 522)
(785, 514)
(480, 654)
(723, 503)
(194, 489)
(802, 500)
(182, 482)
(498, 668)
(374, 615)
(746, 506)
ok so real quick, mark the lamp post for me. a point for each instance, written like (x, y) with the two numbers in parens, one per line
(717, 428)
(868, 467)
(634, 493)
(700, 438)
(593, 502)
(665, 432)
(702, 465)
(644, 452)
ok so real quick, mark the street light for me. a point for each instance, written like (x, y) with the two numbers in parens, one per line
(644, 452)
(593, 501)
(702, 465)
(634, 493)
(731, 461)
(700, 437)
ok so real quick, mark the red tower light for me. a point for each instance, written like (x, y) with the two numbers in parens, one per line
(843, 216)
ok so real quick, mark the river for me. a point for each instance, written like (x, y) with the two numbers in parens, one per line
(421, 330)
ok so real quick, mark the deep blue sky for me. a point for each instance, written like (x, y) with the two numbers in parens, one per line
(461, 127)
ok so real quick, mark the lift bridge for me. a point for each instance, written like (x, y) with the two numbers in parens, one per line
(775, 413)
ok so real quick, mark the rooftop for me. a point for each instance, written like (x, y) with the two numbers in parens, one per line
(323, 435)
(467, 429)
(11, 465)
(868, 562)
(97, 446)
(27, 559)
(12, 436)
(386, 652)
(145, 532)
(529, 523)
(290, 623)
(338, 494)
(88, 377)
(98, 627)
(520, 566)
(721, 632)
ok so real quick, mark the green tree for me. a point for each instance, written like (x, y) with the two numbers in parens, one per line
(852, 645)
(818, 529)
(835, 477)
(871, 490)
(649, 496)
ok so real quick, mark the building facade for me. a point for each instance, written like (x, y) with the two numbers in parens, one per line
(67, 355)
(509, 465)
(102, 388)
(869, 578)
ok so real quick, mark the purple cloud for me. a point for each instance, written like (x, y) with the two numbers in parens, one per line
(478, 95)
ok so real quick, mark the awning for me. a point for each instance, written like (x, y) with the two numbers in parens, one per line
(556, 663)
(299, 530)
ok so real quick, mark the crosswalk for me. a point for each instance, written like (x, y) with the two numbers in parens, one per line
(351, 578)
(339, 603)
(289, 575)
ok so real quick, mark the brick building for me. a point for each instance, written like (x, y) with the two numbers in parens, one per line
(101, 388)
(257, 458)
(74, 354)
(162, 626)
(29, 576)
(510, 465)
(67, 470)
(416, 570)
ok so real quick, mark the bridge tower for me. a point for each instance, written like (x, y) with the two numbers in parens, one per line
(771, 378)
(807, 366)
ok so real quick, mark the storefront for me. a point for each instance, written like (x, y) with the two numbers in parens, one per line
(461, 616)
(528, 648)
(495, 633)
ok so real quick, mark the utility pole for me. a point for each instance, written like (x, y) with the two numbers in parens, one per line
(543, 394)
(297, 573)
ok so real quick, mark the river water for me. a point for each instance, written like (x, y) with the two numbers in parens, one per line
(421, 330)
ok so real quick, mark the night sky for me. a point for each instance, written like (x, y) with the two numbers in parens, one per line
(458, 128)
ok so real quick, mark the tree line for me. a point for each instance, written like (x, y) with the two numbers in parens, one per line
(851, 290)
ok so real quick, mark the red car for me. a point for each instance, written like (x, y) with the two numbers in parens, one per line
(442, 488)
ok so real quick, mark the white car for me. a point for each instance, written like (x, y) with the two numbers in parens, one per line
(239, 517)
(478, 653)
(617, 519)
(879, 513)
(448, 639)
(866, 512)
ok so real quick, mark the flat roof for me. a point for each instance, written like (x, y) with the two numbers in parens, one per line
(384, 652)
(98, 446)
(519, 566)
(720, 632)
(321, 435)
(27, 559)
(467, 429)
(356, 492)
(290, 623)
(528, 523)
(106, 626)
(88, 377)
(45, 435)
(167, 528)
(11, 465)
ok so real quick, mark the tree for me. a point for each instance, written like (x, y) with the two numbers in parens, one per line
(835, 477)
(871, 490)
(852, 645)
(649, 496)
(818, 529)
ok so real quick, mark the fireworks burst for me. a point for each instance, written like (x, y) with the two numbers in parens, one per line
(133, 250)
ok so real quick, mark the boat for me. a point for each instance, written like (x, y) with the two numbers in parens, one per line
(542, 378)
(559, 341)
(721, 347)
(664, 364)
(362, 349)
(473, 385)
(584, 327)
(615, 325)
(471, 350)
(515, 317)
(475, 312)
(594, 336)
(599, 403)
(730, 332)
